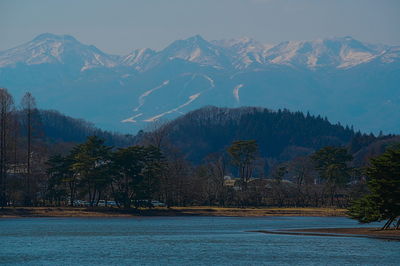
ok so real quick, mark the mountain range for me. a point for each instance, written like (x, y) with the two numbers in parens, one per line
(344, 79)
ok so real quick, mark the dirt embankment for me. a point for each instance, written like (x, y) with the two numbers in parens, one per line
(341, 232)
(175, 211)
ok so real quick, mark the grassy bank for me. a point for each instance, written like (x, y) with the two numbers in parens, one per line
(175, 211)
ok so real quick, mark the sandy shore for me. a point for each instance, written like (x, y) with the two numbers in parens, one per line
(341, 232)
(175, 211)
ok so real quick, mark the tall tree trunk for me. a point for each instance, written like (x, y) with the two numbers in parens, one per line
(6, 105)
(29, 132)
(28, 105)
(2, 154)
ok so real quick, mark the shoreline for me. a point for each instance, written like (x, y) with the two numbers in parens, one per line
(361, 232)
(15, 212)
(103, 212)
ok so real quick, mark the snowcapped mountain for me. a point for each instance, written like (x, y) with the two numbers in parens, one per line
(235, 53)
(342, 78)
(196, 50)
(333, 52)
(57, 49)
(245, 51)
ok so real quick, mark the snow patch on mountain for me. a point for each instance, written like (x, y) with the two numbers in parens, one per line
(157, 117)
(353, 58)
(138, 58)
(147, 93)
(236, 92)
(132, 119)
(391, 55)
(212, 82)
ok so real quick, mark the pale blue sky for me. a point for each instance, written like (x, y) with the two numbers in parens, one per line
(119, 26)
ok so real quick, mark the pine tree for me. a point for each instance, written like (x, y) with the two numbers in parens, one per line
(383, 201)
(91, 162)
(243, 154)
(331, 163)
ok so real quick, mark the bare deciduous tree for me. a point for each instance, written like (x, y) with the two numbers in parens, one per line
(6, 106)
(28, 105)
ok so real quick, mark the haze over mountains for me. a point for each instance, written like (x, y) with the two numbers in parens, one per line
(342, 78)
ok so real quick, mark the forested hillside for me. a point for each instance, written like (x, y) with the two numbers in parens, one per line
(280, 134)
(58, 127)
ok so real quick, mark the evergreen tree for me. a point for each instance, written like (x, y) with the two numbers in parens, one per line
(243, 154)
(331, 163)
(151, 172)
(136, 170)
(91, 162)
(383, 200)
(62, 177)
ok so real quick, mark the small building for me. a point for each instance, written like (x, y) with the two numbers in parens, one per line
(17, 169)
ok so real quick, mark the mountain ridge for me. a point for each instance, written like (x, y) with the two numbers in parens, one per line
(340, 77)
(267, 53)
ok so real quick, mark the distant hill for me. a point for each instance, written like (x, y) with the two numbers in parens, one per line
(281, 135)
(343, 78)
(366, 147)
(53, 127)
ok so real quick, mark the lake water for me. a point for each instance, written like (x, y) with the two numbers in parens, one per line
(185, 241)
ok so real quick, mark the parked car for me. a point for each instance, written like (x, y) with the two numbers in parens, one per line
(156, 203)
(80, 203)
(104, 203)
(148, 203)
(111, 203)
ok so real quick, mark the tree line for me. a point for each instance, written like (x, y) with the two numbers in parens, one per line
(29, 136)
(94, 171)
(34, 173)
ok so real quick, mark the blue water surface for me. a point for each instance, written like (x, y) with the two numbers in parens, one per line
(185, 241)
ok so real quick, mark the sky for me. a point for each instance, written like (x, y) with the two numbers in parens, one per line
(120, 26)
